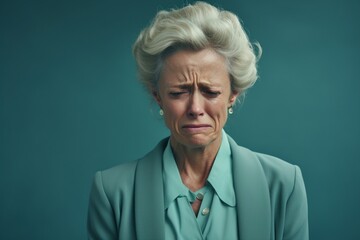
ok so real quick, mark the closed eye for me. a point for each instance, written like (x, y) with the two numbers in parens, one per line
(211, 94)
(177, 93)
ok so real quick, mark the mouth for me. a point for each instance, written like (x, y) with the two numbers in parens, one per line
(196, 126)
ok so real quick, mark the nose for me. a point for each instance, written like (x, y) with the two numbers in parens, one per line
(196, 105)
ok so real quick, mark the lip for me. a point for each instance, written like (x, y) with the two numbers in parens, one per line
(194, 129)
(190, 126)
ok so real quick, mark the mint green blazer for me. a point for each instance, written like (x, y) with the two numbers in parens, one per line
(126, 201)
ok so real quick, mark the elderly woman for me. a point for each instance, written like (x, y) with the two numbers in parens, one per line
(198, 183)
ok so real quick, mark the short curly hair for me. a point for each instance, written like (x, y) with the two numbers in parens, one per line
(196, 27)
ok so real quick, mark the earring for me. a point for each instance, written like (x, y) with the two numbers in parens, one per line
(231, 110)
(161, 112)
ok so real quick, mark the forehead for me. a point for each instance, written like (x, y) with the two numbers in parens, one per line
(187, 66)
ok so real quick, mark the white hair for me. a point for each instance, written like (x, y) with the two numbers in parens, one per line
(196, 27)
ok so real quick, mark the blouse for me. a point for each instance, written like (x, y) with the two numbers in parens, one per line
(217, 218)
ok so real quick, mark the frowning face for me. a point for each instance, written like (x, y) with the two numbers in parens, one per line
(194, 92)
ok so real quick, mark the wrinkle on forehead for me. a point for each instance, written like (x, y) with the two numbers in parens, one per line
(186, 66)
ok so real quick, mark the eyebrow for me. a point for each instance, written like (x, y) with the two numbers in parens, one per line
(189, 85)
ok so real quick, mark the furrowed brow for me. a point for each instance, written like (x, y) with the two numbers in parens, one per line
(207, 85)
(183, 86)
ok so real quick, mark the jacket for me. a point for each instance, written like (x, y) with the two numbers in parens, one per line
(126, 201)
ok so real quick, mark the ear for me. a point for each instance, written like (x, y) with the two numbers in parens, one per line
(156, 97)
(233, 97)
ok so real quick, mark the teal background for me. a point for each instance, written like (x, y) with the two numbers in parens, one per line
(70, 104)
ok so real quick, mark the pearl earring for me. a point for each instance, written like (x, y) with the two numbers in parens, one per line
(231, 110)
(161, 112)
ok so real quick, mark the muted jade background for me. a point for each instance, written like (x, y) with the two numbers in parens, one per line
(70, 104)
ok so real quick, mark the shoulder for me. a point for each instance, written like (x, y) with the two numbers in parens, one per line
(281, 176)
(275, 167)
(110, 199)
(120, 174)
(287, 194)
(116, 180)
(121, 178)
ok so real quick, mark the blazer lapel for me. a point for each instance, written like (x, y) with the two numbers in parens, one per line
(149, 200)
(252, 194)
(251, 190)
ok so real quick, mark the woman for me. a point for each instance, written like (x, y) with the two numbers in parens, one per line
(198, 183)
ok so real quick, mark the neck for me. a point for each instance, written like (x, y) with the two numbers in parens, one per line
(194, 164)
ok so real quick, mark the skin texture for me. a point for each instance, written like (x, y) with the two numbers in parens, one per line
(195, 93)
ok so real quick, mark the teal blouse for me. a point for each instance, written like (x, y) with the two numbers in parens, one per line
(217, 217)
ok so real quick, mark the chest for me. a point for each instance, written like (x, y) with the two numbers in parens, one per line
(215, 219)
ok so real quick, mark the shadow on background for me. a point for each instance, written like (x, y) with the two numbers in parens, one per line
(70, 105)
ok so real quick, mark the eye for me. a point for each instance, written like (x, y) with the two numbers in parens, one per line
(212, 94)
(177, 93)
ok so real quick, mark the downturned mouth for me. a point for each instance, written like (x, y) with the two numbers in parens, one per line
(196, 125)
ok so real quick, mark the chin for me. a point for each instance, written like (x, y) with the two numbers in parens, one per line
(197, 141)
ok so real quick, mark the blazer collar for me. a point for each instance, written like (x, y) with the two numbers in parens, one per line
(252, 194)
(251, 191)
(148, 199)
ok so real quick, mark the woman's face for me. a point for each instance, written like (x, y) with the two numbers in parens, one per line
(194, 92)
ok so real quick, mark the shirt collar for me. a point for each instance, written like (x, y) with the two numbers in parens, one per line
(220, 177)
(221, 174)
(173, 186)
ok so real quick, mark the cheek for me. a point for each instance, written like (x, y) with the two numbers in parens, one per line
(219, 112)
(173, 112)
(223, 115)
